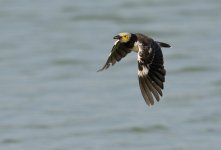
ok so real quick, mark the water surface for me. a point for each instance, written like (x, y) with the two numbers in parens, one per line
(52, 98)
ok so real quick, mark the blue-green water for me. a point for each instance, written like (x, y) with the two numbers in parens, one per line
(52, 98)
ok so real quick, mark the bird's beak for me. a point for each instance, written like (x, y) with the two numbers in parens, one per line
(117, 37)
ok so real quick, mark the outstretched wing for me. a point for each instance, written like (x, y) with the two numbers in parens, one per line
(151, 72)
(117, 53)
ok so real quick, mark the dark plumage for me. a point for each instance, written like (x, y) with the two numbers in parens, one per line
(151, 72)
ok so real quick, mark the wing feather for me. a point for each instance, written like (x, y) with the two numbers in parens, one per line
(151, 72)
(146, 92)
(117, 53)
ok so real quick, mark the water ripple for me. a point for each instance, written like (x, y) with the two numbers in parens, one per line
(139, 129)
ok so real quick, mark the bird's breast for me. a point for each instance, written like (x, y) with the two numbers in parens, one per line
(135, 48)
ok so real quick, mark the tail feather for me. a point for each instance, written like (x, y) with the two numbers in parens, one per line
(163, 44)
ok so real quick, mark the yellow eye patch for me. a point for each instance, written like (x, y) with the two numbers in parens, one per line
(125, 37)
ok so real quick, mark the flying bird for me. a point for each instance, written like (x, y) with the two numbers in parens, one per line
(151, 71)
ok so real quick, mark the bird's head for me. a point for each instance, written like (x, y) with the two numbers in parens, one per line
(123, 37)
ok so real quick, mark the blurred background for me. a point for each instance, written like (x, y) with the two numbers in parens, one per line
(52, 98)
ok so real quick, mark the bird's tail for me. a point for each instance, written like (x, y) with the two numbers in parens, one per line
(163, 44)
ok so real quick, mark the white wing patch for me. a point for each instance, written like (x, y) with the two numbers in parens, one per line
(144, 71)
(150, 50)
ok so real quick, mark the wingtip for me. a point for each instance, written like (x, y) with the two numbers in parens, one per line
(100, 70)
(149, 105)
